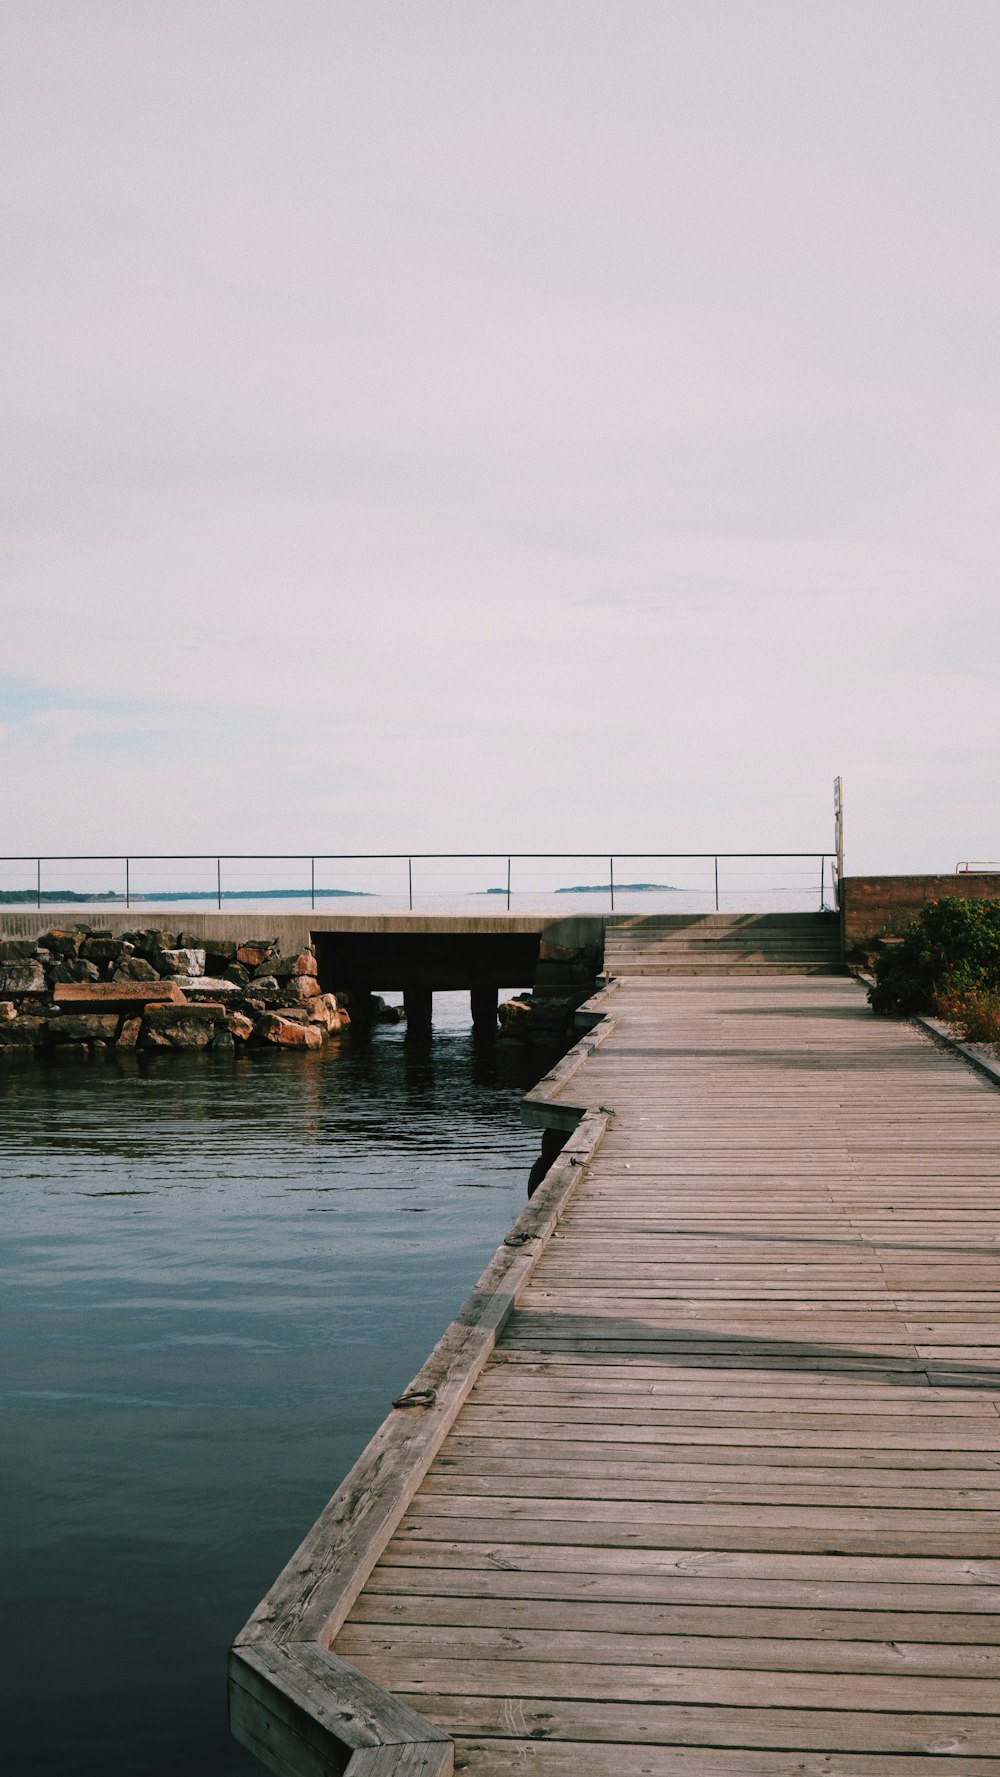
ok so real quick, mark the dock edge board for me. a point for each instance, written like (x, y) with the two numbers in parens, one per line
(300, 1709)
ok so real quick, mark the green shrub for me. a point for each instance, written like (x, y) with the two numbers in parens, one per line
(952, 949)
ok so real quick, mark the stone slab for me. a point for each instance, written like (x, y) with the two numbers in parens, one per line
(116, 996)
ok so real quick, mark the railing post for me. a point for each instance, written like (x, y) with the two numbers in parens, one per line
(508, 885)
(716, 885)
(218, 883)
(409, 874)
(38, 883)
(127, 901)
(838, 831)
(611, 881)
(822, 880)
(312, 883)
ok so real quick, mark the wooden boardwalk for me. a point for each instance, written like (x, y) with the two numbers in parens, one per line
(723, 1499)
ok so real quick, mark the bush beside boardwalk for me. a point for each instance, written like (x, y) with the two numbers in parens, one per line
(946, 962)
(160, 990)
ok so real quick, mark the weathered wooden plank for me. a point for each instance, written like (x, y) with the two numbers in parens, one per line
(653, 1725)
(728, 1687)
(640, 1516)
(625, 1617)
(469, 1482)
(851, 1536)
(512, 1757)
(410, 1642)
(976, 1573)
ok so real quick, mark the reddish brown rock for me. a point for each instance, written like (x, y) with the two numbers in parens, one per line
(255, 952)
(240, 1026)
(303, 988)
(128, 1036)
(116, 996)
(305, 964)
(8, 1011)
(325, 1012)
(290, 1032)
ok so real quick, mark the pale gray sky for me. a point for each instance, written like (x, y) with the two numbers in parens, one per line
(518, 423)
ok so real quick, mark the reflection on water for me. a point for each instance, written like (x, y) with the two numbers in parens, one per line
(215, 1277)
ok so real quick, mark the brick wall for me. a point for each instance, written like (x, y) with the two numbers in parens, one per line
(880, 906)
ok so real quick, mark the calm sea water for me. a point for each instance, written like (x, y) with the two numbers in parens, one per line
(215, 1277)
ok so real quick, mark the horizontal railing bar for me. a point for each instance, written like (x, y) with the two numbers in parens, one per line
(292, 857)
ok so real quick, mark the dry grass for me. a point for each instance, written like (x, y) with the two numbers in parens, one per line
(974, 1015)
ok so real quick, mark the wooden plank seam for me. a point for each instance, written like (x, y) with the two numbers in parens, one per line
(299, 1708)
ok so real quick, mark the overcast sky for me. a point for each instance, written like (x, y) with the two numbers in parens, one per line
(500, 422)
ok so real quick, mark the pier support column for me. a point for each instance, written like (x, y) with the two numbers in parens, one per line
(484, 1010)
(418, 1004)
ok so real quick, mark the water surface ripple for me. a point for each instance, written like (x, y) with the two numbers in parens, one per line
(215, 1277)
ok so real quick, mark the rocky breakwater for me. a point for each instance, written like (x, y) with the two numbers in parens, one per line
(565, 977)
(81, 993)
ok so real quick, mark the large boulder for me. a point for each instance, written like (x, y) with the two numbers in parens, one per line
(240, 1026)
(23, 1033)
(178, 1027)
(60, 943)
(325, 1012)
(182, 962)
(58, 973)
(83, 1027)
(221, 949)
(135, 968)
(102, 949)
(152, 942)
(22, 976)
(289, 1032)
(214, 987)
(515, 1017)
(302, 988)
(255, 952)
(302, 963)
(263, 988)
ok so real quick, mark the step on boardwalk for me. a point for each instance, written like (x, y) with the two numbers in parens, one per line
(717, 1494)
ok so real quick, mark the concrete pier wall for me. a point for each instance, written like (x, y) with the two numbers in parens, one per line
(873, 907)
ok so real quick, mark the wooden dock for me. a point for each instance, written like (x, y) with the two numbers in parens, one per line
(708, 1487)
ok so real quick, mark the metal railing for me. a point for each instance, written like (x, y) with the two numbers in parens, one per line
(128, 895)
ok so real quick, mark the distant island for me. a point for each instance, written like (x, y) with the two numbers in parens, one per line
(603, 888)
(24, 897)
(631, 888)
